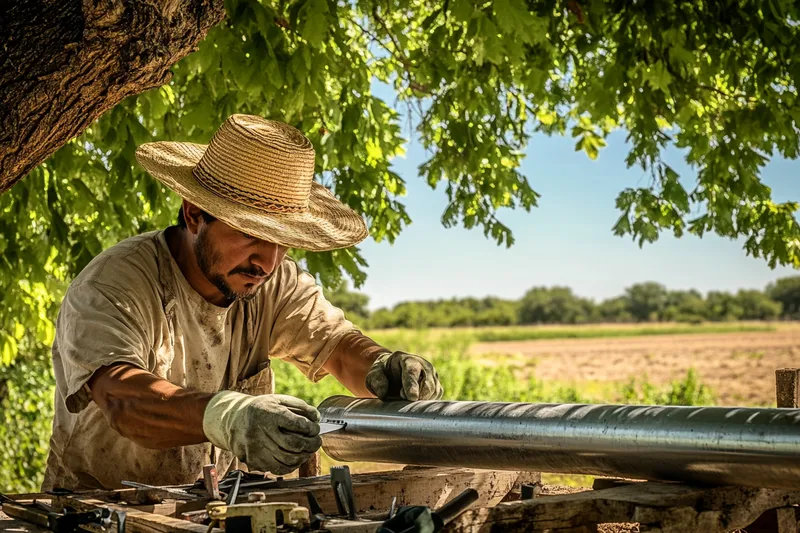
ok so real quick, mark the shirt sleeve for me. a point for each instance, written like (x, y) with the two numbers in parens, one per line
(306, 326)
(98, 325)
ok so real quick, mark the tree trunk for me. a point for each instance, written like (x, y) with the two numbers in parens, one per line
(63, 63)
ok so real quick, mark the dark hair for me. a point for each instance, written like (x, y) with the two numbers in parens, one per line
(182, 221)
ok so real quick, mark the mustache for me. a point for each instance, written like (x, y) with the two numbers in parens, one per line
(250, 271)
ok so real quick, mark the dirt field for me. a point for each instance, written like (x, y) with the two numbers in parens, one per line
(739, 367)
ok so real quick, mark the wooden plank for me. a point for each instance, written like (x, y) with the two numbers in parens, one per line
(13, 525)
(136, 521)
(10, 525)
(24, 513)
(431, 487)
(672, 507)
(29, 496)
(787, 387)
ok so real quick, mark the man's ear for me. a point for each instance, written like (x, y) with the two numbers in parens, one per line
(193, 216)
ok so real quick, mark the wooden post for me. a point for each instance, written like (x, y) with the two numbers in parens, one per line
(787, 387)
(311, 468)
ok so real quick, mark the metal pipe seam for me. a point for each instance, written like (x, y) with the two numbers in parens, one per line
(757, 447)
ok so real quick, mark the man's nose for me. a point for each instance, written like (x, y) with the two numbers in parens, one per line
(267, 257)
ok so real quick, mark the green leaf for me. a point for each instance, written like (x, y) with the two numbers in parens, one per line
(461, 10)
(314, 28)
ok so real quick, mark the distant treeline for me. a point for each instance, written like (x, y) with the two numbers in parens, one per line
(642, 302)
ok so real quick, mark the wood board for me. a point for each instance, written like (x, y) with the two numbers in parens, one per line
(657, 507)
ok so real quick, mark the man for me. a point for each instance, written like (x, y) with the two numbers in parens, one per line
(164, 341)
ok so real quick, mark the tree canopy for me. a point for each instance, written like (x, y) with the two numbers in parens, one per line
(477, 80)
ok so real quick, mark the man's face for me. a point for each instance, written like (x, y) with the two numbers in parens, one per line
(234, 262)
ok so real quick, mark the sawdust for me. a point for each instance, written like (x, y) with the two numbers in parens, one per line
(739, 367)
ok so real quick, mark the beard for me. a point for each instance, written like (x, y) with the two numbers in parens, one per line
(209, 257)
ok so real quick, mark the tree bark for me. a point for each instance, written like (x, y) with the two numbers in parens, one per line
(63, 63)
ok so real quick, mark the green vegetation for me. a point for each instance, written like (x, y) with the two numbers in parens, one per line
(478, 79)
(643, 303)
(465, 379)
(473, 82)
(588, 332)
(687, 391)
(26, 415)
(27, 407)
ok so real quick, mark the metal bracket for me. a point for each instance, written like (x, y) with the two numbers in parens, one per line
(260, 517)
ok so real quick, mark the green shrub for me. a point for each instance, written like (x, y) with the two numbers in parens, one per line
(461, 378)
(686, 391)
(289, 380)
(26, 414)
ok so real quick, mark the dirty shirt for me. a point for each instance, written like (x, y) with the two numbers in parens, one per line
(131, 304)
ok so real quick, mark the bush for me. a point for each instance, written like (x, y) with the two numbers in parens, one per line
(26, 411)
(687, 391)
(461, 377)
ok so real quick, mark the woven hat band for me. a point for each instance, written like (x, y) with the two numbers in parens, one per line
(263, 164)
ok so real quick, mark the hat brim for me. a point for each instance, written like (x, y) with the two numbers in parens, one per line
(327, 224)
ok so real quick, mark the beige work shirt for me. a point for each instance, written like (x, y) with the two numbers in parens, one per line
(132, 304)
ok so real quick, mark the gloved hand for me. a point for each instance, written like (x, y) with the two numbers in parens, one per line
(271, 432)
(403, 376)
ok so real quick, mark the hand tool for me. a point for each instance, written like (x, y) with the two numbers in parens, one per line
(330, 426)
(179, 494)
(342, 485)
(250, 481)
(234, 492)
(418, 518)
(211, 481)
(317, 515)
(66, 521)
(258, 517)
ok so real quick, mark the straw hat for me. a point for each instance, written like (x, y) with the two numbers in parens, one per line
(257, 176)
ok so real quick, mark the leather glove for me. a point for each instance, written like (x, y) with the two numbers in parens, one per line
(403, 376)
(270, 433)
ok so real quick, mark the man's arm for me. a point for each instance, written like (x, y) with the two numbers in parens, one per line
(351, 360)
(148, 410)
(270, 432)
(369, 370)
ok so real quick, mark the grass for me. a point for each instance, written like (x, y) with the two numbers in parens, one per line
(438, 339)
(589, 332)
(501, 378)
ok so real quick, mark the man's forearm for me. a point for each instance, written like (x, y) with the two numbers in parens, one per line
(148, 410)
(351, 360)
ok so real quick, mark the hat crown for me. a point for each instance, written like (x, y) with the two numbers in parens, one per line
(260, 163)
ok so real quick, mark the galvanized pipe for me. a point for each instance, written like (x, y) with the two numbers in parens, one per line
(710, 445)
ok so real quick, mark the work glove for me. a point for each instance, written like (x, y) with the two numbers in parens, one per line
(403, 376)
(270, 433)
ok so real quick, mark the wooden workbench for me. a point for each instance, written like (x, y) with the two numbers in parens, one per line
(613, 506)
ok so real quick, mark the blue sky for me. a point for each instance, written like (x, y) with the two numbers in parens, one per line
(567, 240)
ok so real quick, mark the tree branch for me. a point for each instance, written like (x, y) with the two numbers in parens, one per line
(63, 64)
(398, 51)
